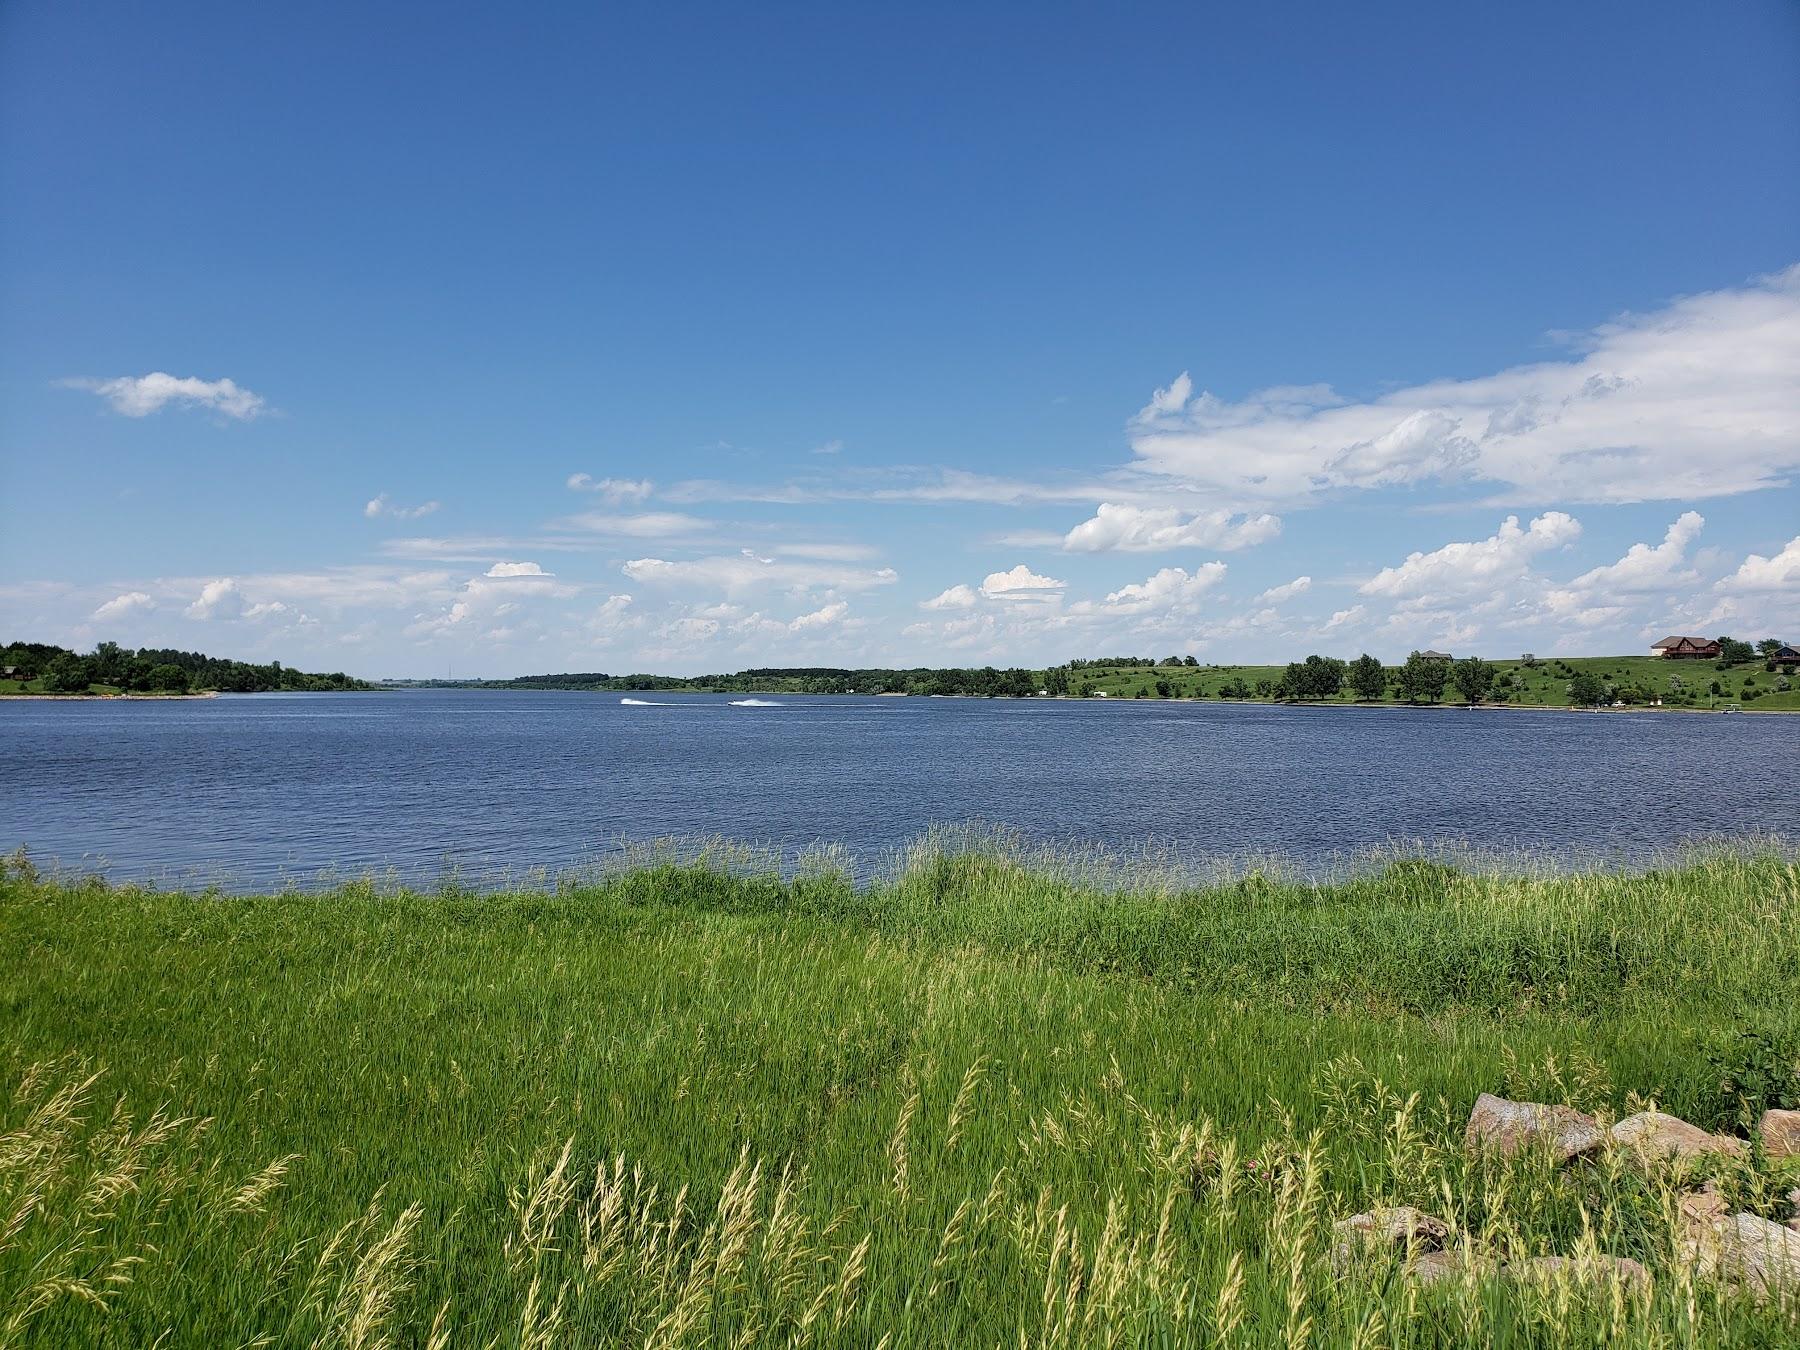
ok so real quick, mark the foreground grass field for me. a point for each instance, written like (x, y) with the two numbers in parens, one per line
(982, 1103)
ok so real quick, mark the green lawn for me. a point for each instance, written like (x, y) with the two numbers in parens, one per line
(986, 1104)
(37, 687)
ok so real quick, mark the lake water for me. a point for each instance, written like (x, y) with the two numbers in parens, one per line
(257, 790)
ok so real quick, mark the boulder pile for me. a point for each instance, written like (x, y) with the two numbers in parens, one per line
(1743, 1252)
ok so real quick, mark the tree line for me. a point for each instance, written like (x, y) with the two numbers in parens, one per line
(1422, 679)
(977, 682)
(157, 670)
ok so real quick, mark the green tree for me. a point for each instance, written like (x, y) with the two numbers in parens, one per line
(167, 679)
(1422, 678)
(1474, 678)
(67, 674)
(1587, 690)
(109, 664)
(1768, 647)
(1368, 681)
(1735, 653)
(1315, 677)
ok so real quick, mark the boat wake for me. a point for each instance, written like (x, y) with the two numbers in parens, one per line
(753, 703)
(644, 703)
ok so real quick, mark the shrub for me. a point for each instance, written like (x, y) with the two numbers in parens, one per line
(1755, 1072)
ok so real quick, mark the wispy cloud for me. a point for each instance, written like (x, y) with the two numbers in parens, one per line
(615, 491)
(379, 505)
(481, 548)
(1694, 400)
(734, 574)
(1149, 529)
(1276, 594)
(918, 486)
(642, 525)
(141, 395)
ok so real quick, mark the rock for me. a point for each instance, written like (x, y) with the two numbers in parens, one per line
(1433, 1267)
(1398, 1226)
(1655, 1134)
(1507, 1127)
(1794, 1200)
(1703, 1208)
(1750, 1253)
(1780, 1131)
(1596, 1269)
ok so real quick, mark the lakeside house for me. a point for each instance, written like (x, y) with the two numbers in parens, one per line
(1687, 649)
(1787, 654)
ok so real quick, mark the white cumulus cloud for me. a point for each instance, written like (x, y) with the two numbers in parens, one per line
(1171, 588)
(960, 596)
(1474, 567)
(1020, 583)
(518, 569)
(1597, 595)
(1758, 574)
(220, 599)
(121, 606)
(825, 617)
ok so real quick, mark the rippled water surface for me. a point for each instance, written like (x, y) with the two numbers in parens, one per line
(259, 789)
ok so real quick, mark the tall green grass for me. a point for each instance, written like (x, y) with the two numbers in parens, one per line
(983, 1100)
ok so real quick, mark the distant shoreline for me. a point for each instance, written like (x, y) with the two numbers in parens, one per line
(111, 698)
(1371, 706)
(1383, 706)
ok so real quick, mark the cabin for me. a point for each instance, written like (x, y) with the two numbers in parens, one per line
(1686, 649)
(1787, 654)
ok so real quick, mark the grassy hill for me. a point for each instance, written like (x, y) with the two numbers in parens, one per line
(991, 1102)
(1544, 684)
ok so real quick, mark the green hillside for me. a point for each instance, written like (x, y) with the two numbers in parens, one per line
(1543, 683)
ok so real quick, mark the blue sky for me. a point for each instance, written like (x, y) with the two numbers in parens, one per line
(691, 337)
